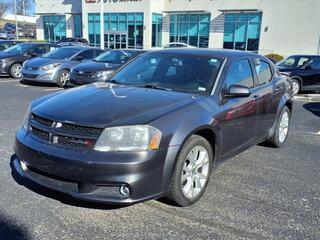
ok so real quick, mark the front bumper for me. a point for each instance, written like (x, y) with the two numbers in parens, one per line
(92, 175)
(38, 75)
(83, 79)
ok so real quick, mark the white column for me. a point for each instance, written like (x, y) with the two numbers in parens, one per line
(101, 24)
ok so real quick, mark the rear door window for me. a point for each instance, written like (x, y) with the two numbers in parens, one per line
(239, 73)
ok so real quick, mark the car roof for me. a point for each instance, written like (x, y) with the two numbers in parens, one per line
(37, 43)
(219, 53)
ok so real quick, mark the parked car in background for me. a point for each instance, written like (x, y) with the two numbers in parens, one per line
(54, 67)
(74, 40)
(6, 35)
(101, 67)
(177, 45)
(4, 44)
(156, 127)
(304, 71)
(11, 59)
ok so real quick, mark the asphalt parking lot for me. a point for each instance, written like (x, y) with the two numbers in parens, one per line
(263, 193)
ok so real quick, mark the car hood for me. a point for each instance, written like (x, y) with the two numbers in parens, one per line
(93, 66)
(104, 105)
(41, 61)
(7, 55)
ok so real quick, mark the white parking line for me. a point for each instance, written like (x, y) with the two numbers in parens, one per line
(6, 81)
(52, 89)
(22, 85)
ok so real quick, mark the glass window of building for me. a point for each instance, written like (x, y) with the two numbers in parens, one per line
(242, 31)
(54, 27)
(94, 29)
(122, 30)
(77, 26)
(192, 29)
(156, 40)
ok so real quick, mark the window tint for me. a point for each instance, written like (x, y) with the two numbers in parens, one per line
(40, 49)
(179, 72)
(302, 61)
(87, 54)
(239, 73)
(315, 63)
(263, 72)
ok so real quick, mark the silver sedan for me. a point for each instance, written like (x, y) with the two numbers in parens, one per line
(54, 67)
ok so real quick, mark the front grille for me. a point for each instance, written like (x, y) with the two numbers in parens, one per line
(40, 134)
(64, 135)
(30, 75)
(84, 74)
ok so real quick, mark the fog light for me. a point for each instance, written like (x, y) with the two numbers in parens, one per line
(23, 166)
(125, 191)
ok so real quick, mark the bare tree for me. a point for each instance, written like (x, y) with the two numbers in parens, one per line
(23, 6)
(4, 7)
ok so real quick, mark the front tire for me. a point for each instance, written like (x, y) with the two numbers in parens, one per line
(16, 71)
(281, 132)
(296, 86)
(63, 78)
(191, 172)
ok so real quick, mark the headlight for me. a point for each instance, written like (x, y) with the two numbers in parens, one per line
(26, 118)
(103, 74)
(50, 66)
(129, 138)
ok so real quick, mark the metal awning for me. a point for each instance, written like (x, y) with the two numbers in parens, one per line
(239, 10)
(186, 11)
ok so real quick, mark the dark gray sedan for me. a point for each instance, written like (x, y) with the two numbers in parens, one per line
(55, 66)
(101, 67)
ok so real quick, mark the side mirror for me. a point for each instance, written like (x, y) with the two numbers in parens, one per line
(236, 91)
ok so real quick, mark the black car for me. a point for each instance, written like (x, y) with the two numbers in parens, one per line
(73, 40)
(4, 44)
(304, 71)
(156, 128)
(101, 67)
(11, 59)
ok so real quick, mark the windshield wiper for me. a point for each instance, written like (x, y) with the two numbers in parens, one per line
(114, 81)
(155, 86)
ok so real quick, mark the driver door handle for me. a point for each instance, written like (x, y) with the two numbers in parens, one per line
(255, 97)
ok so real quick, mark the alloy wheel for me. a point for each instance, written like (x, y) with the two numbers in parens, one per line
(64, 78)
(16, 71)
(295, 87)
(283, 126)
(195, 172)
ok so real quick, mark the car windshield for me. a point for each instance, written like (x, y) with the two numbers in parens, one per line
(19, 48)
(109, 57)
(294, 61)
(177, 72)
(62, 53)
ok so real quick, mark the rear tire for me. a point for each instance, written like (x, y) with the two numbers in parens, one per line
(192, 171)
(281, 132)
(63, 78)
(16, 71)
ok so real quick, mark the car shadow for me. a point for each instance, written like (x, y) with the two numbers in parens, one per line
(313, 107)
(9, 229)
(38, 84)
(64, 198)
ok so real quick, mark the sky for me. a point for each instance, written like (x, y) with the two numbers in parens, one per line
(11, 2)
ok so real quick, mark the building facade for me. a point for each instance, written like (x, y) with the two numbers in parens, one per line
(267, 26)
